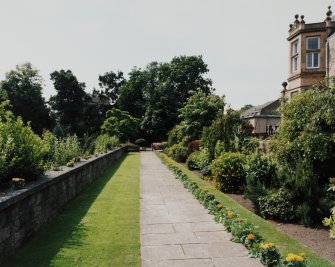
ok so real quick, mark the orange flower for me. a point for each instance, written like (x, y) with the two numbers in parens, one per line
(251, 236)
(230, 214)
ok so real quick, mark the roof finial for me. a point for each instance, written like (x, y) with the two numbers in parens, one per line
(284, 84)
(329, 12)
(296, 18)
(302, 18)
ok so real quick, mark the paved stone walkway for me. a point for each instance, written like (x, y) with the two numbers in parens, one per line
(178, 231)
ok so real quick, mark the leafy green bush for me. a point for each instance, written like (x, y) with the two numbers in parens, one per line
(198, 160)
(260, 177)
(22, 151)
(104, 142)
(141, 142)
(330, 222)
(18, 183)
(277, 206)
(64, 150)
(181, 153)
(248, 145)
(228, 172)
(192, 161)
(219, 149)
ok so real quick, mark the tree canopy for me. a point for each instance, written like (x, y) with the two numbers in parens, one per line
(23, 88)
(199, 111)
(69, 102)
(121, 124)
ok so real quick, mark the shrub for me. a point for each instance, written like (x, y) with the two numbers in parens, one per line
(260, 177)
(22, 153)
(192, 161)
(330, 222)
(70, 163)
(277, 206)
(228, 172)
(132, 147)
(66, 149)
(181, 153)
(248, 145)
(193, 145)
(219, 149)
(171, 150)
(18, 183)
(141, 142)
(104, 142)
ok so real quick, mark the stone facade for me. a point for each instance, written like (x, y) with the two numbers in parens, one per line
(301, 74)
(24, 211)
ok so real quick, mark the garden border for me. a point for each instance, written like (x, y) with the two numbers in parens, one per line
(201, 188)
(24, 211)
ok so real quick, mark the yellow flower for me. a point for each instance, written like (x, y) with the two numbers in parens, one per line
(219, 206)
(238, 219)
(293, 257)
(251, 236)
(266, 245)
(302, 254)
(230, 214)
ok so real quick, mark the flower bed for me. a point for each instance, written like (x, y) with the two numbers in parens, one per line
(242, 231)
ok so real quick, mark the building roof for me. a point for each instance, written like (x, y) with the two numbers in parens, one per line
(266, 109)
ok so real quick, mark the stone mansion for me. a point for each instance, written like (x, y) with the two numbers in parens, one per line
(311, 53)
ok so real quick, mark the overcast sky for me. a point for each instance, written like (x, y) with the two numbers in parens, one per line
(243, 42)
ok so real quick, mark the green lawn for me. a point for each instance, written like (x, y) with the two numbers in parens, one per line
(99, 228)
(269, 232)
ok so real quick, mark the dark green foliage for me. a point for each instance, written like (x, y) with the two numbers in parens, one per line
(223, 128)
(175, 135)
(277, 206)
(308, 194)
(104, 143)
(69, 102)
(198, 160)
(22, 151)
(228, 172)
(121, 124)
(192, 161)
(181, 153)
(248, 145)
(198, 112)
(130, 94)
(141, 142)
(110, 83)
(260, 177)
(23, 88)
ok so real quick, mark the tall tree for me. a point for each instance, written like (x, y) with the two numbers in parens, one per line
(69, 102)
(199, 111)
(121, 124)
(131, 93)
(110, 83)
(23, 88)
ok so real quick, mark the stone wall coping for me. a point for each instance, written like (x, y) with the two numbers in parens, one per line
(49, 178)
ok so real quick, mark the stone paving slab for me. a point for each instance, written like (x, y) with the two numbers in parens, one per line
(176, 230)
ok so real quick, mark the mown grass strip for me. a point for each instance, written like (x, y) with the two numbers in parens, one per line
(99, 228)
(268, 232)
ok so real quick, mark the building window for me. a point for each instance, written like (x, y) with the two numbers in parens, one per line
(295, 64)
(295, 56)
(313, 52)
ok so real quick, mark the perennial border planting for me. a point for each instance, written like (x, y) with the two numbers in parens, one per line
(242, 231)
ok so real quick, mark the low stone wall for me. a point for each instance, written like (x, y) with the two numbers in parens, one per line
(24, 211)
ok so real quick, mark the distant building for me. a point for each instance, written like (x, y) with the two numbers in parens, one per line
(311, 53)
(264, 118)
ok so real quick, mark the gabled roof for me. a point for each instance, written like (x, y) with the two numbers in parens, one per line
(264, 109)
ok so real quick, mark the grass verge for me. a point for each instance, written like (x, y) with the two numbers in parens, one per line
(99, 228)
(268, 232)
